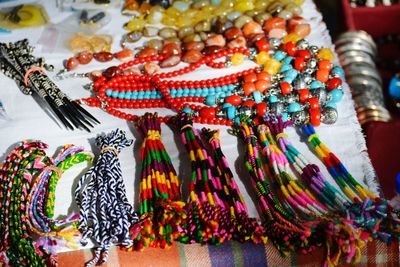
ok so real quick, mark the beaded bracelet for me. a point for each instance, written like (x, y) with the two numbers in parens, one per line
(40, 206)
(105, 213)
(17, 247)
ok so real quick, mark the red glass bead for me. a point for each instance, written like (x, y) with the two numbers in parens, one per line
(322, 75)
(286, 88)
(249, 103)
(304, 94)
(234, 100)
(261, 109)
(248, 88)
(250, 78)
(264, 76)
(72, 63)
(207, 112)
(262, 45)
(304, 54)
(290, 48)
(103, 56)
(299, 63)
(85, 57)
(315, 117)
(334, 83)
(314, 103)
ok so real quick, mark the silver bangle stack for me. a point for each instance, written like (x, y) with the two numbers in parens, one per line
(357, 51)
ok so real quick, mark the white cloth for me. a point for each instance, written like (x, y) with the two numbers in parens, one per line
(29, 121)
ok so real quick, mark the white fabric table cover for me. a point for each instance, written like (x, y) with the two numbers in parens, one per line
(29, 121)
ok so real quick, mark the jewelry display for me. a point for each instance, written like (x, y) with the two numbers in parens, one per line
(18, 63)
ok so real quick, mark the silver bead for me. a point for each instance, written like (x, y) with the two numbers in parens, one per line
(299, 117)
(320, 94)
(307, 77)
(220, 114)
(313, 49)
(329, 115)
(309, 70)
(291, 98)
(275, 43)
(312, 63)
(246, 111)
(228, 64)
(302, 44)
(276, 108)
(299, 83)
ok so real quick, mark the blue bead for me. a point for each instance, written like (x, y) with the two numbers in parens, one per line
(257, 97)
(291, 74)
(186, 91)
(187, 110)
(218, 89)
(285, 67)
(121, 95)
(109, 92)
(330, 104)
(192, 92)
(231, 87)
(316, 84)
(128, 95)
(226, 105)
(288, 60)
(224, 88)
(231, 112)
(279, 55)
(181, 6)
(294, 107)
(179, 93)
(287, 79)
(394, 87)
(205, 91)
(115, 94)
(336, 95)
(273, 99)
(338, 71)
(285, 116)
(237, 120)
(210, 100)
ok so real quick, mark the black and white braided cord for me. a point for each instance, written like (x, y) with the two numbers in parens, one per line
(105, 213)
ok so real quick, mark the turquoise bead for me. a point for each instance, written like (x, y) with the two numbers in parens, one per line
(336, 95)
(394, 87)
(285, 67)
(338, 71)
(121, 95)
(285, 116)
(237, 120)
(115, 94)
(331, 104)
(273, 99)
(226, 105)
(257, 97)
(187, 110)
(316, 84)
(279, 55)
(294, 107)
(288, 60)
(210, 100)
(109, 92)
(291, 74)
(231, 112)
(128, 95)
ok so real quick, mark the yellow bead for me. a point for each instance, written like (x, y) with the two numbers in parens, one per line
(262, 58)
(227, 3)
(243, 6)
(237, 59)
(272, 66)
(298, 2)
(262, 4)
(136, 24)
(291, 37)
(325, 53)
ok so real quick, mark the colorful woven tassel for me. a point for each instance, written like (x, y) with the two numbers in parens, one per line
(105, 213)
(246, 228)
(161, 206)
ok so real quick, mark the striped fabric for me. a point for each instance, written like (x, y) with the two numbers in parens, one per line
(229, 254)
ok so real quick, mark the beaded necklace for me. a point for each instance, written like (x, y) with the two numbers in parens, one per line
(105, 213)
(295, 90)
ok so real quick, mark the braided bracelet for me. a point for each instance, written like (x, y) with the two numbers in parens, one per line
(105, 213)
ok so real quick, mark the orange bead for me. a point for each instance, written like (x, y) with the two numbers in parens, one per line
(322, 75)
(286, 88)
(315, 117)
(325, 64)
(262, 86)
(250, 78)
(248, 88)
(314, 103)
(261, 109)
(123, 54)
(274, 23)
(234, 100)
(249, 103)
(304, 94)
(302, 30)
(252, 28)
(264, 76)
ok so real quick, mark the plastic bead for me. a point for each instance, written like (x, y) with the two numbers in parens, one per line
(249, 103)
(272, 66)
(261, 109)
(304, 54)
(273, 99)
(279, 55)
(314, 103)
(234, 100)
(304, 94)
(286, 88)
(334, 83)
(322, 75)
(325, 64)
(299, 63)
(207, 112)
(335, 95)
(294, 107)
(316, 84)
(250, 78)
(230, 112)
(211, 100)
(262, 58)
(325, 53)
(248, 88)
(290, 48)
(262, 45)
(262, 86)
(315, 117)
(237, 59)
(257, 97)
